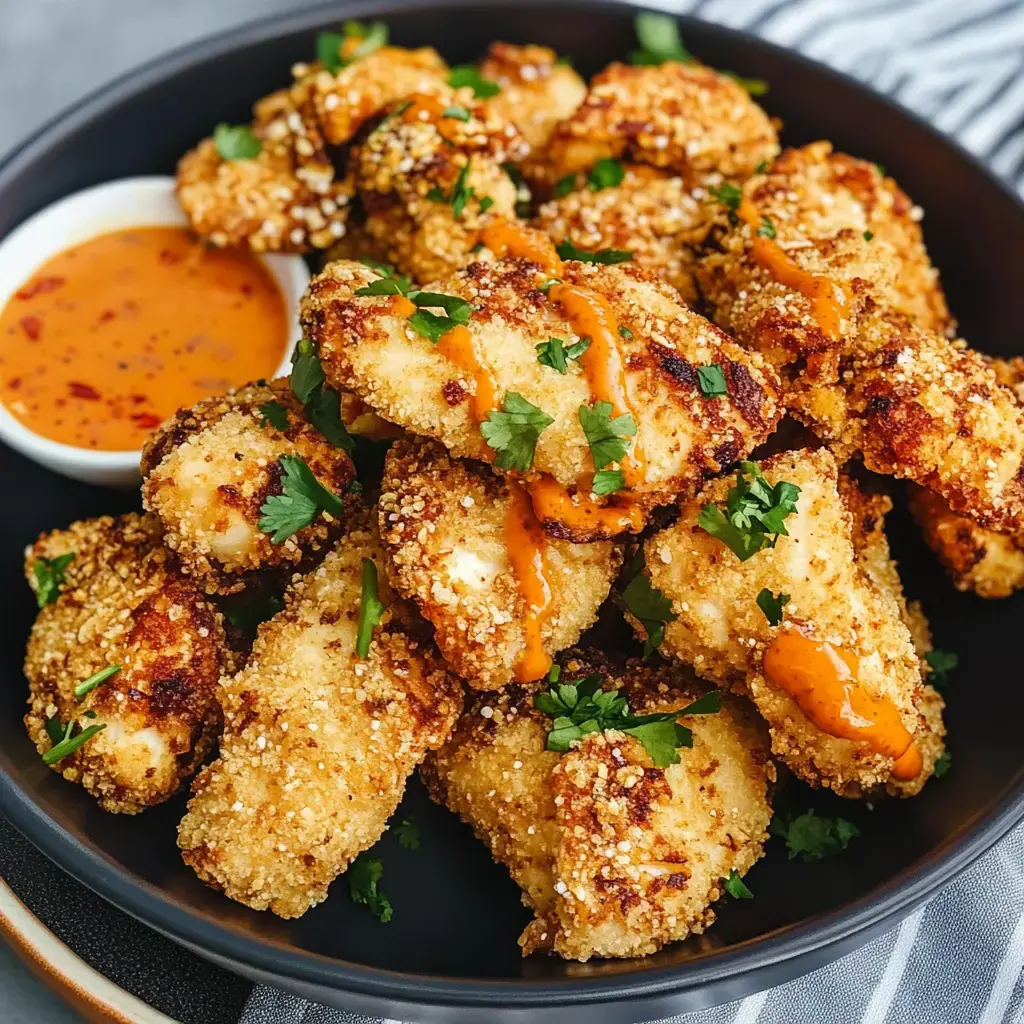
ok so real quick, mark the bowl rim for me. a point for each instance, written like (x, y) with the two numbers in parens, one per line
(849, 924)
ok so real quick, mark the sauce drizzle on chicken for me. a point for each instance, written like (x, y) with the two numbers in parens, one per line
(526, 545)
(458, 346)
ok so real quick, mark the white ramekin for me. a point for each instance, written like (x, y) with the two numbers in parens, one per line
(114, 206)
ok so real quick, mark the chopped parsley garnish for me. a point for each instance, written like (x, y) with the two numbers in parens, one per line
(608, 481)
(729, 196)
(605, 173)
(647, 603)
(371, 608)
(457, 113)
(408, 834)
(396, 285)
(881, 169)
(49, 576)
(467, 75)
(761, 167)
(659, 39)
(564, 186)
(323, 404)
(607, 436)
(433, 326)
(711, 381)
(625, 332)
(772, 605)
(583, 707)
(941, 663)
(555, 353)
(754, 86)
(236, 142)
(868, 235)
(514, 430)
(767, 228)
(275, 414)
(755, 513)
(303, 498)
(307, 374)
(485, 204)
(736, 887)
(249, 615)
(96, 679)
(330, 45)
(460, 194)
(548, 283)
(382, 268)
(364, 874)
(812, 838)
(67, 744)
(567, 251)
(942, 764)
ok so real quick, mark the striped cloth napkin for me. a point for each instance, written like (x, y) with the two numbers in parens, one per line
(958, 960)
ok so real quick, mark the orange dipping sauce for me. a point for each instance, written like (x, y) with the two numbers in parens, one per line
(110, 337)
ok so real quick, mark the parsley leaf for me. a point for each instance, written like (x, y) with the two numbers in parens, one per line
(96, 679)
(567, 251)
(395, 285)
(307, 374)
(659, 39)
(608, 481)
(68, 743)
(513, 432)
(941, 663)
(303, 498)
(772, 606)
(431, 325)
(333, 51)
(371, 609)
(606, 436)
(761, 167)
(460, 194)
(275, 414)
(467, 75)
(754, 515)
(555, 353)
(364, 874)
(564, 186)
(457, 113)
(49, 576)
(328, 50)
(812, 838)
(767, 228)
(382, 268)
(323, 404)
(408, 834)
(942, 764)
(648, 604)
(736, 887)
(606, 173)
(868, 235)
(729, 196)
(249, 615)
(625, 332)
(711, 381)
(236, 142)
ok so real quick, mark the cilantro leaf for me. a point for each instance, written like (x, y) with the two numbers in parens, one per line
(236, 142)
(514, 431)
(463, 75)
(772, 606)
(625, 333)
(408, 834)
(555, 353)
(431, 325)
(307, 374)
(371, 609)
(606, 436)
(812, 838)
(941, 663)
(767, 228)
(608, 481)
(460, 194)
(96, 679)
(328, 50)
(755, 513)
(729, 196)
(568, 251)
(564, 186)
(249, 615)
(49, 577)
(382, 268)
(942, 764)
(457, 113)
(606, 173)
(275, 414)
(868, 235)
(393, 285)
(659, 39)
(69, 744)
(333, 49)
(303, 498)
(753, 86)
(736, 887)
(323, 404)
(364, 876)
(648, 604)
(711, 381)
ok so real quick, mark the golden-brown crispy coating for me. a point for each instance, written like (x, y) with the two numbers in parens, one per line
(413, 168)
(685, 118)
(318, 743)
(616, 856)
(367, 349)
(125, 602)
(442, 521)
(209, 469)
(723, 633)
(649, 213)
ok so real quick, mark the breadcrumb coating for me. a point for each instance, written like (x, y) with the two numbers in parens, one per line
(125, 602)
(615, 856)
(649, 213)
(367, 349)
(208, 471)
(442, 521)
(686, 118)
(721, 630)
(318, 743)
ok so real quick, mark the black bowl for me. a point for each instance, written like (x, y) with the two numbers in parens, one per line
(450, 952)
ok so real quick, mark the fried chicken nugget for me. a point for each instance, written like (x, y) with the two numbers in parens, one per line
(615, 856)
(429, 182)
(208, 471)
(124, 602)
(318, 742)
(365, 347)
(721, 630)
(651, 214)
(451, 530)
(686, 118)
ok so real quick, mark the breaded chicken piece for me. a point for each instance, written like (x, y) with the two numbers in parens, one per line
(650, 213)
(720, 629)
(452, 531)
(615, 856)
(685, 118)
(125, 602)
(208, 471)
(318, 742)
(429, 182)
(367, 348)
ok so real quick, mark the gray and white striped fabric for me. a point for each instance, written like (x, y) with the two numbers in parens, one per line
(959, 960)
